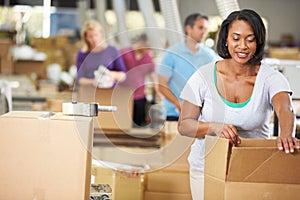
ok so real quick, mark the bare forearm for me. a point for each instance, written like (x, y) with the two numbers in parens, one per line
(196, 129)
(118, 76)
(167, 93)
(286, 117)
(188, 125)
(286, 122)
(86, 81)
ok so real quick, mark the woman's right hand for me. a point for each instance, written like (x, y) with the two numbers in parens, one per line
(228, 131)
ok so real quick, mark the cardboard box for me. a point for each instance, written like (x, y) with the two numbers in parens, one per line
(54, 104)
(168, 181)
(290, 53)
(45, 156)
(181, 164)
(166, 196)
(6, 65)
(255, 169)
(28, 67)
(5, 45)
(103, 175)
(119, 96)
(46, 87)
(126, 184)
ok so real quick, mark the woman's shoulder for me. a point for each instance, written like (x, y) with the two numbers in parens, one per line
(205, 72)
(112, 47)
(207, 68)
(126, 49)
(81, 53)
(269, 70)
(269, 73)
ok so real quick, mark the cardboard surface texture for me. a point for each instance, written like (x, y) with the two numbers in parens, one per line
(5, 45)
(168, 182)
(28, 67)
(255, 169)
(119, 96)
(166, 196)
(126, 184)
(171, 181)
(45, 156)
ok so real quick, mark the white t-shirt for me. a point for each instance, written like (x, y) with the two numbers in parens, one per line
(251, 119)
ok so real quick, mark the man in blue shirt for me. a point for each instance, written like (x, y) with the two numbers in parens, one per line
(181, 61)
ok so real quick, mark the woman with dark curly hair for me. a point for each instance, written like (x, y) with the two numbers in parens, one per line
(234, 98)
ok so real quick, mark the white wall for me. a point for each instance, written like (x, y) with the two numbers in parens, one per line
(282, 15)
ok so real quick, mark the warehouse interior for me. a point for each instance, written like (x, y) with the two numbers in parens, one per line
(55, 150)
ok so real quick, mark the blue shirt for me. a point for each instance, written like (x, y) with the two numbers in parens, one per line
(178, 64)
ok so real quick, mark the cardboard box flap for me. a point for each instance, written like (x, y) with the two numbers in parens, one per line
(23, 114)
(43, 115)
(79, 123)
(263, 165)
(216, 163)
(214, 188)
(61, 116)
(257, 143)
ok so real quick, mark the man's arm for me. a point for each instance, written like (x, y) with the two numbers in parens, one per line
(166, 91)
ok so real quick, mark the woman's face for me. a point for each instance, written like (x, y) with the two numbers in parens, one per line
(241, 41)
(93, 37)
(143, 47)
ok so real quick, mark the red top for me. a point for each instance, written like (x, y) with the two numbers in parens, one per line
(137, 70)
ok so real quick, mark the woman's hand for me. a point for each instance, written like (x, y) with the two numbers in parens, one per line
(287, 143)
(228, 131)
(283, 107)
(117, 76)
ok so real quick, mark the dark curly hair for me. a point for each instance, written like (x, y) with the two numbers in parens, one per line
(259, 31)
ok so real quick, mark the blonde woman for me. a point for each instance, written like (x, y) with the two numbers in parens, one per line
(97, 53)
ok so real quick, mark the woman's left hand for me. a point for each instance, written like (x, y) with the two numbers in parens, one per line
(287, 143)
(283, 108)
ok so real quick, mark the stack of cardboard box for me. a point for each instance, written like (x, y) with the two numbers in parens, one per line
(58, 49)
(172, 180)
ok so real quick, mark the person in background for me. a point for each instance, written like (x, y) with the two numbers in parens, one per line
(234, 98)
(98, 57)
(139, 64)
(181, 61)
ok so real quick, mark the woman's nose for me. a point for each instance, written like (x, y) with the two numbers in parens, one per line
(242, 44)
